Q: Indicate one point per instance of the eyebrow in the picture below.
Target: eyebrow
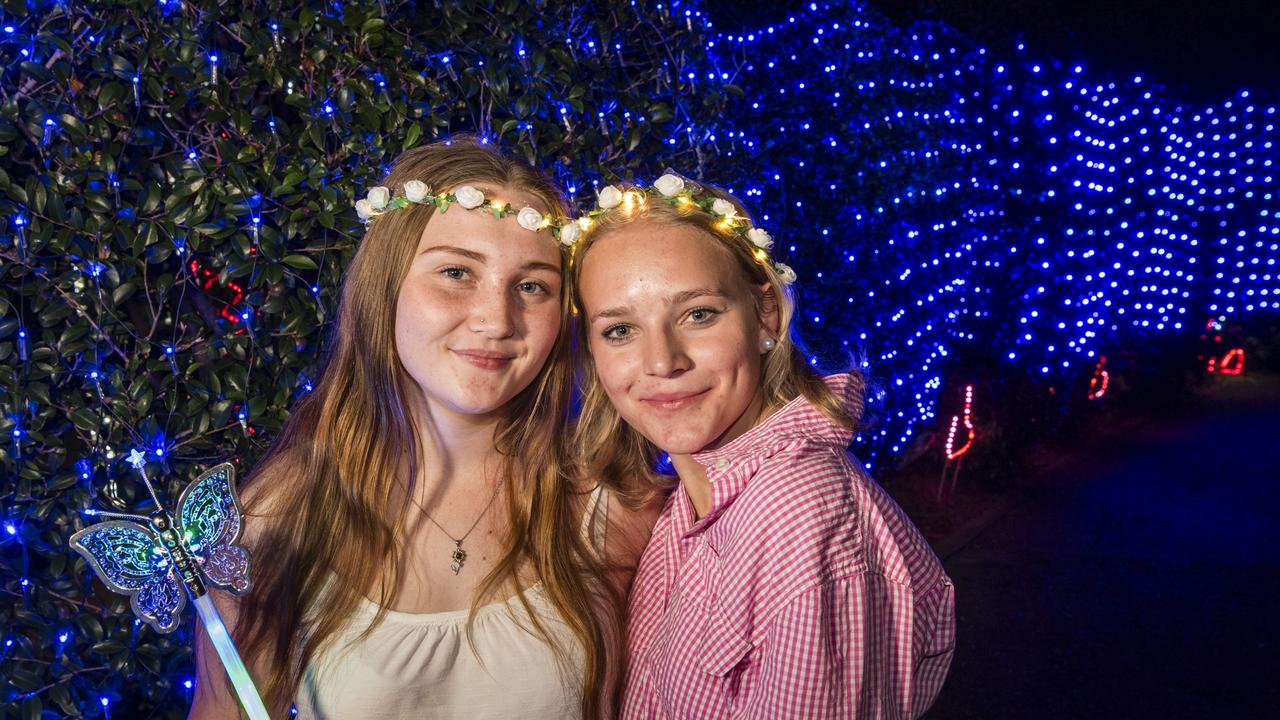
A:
(471, 254)
(677, 299)
(482, 258)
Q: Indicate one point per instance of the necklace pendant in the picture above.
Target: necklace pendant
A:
(459, 557)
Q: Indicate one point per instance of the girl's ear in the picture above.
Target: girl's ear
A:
(770, 317)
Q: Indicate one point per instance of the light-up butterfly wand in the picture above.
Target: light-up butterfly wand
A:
(158, 560)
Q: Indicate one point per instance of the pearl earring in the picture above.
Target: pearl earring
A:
(767, 343)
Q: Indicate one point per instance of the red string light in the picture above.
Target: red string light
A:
(952, 451)
(208, 279)
(1100, 380)
(1231, 364)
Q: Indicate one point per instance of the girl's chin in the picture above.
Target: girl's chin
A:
(681, 443)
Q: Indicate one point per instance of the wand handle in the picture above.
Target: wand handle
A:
(240, 680)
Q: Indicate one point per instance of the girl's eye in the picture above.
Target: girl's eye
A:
(616, 332)
(454, 273)
(702, 315)
(532, 288)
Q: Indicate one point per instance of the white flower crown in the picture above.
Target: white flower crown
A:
(670, 187)
(379, 202)
(673, 189)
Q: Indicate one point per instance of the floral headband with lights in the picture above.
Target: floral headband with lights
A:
(379, 202)
(675, 191)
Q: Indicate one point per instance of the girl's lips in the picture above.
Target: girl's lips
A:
(672, 401)
(485, 359)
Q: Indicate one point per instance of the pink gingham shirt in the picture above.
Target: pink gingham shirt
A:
(805, 592)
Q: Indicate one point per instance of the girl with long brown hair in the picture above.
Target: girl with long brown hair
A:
(780, 580)
(420, 549)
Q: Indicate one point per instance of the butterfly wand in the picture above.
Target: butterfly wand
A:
(160, 560)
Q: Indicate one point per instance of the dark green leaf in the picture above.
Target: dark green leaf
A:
(85, 419)
(97, 203)
(36, 71)
(122, 293)
(412, 135)
(301, 262)
(107, 647)
(32, 707)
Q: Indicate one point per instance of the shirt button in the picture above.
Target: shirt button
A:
(722, 463)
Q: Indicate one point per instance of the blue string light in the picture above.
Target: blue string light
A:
(986, 202)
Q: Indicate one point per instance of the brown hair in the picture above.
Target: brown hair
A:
(336, 464)
(606, 445)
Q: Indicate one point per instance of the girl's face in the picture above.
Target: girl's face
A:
(674, 334)
(479, 310)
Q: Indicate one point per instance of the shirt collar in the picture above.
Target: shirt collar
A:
(731, 466)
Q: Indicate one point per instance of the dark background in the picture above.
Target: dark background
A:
(1200, 50)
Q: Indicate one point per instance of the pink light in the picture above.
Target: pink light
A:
(951, 450)
(1232, 363)
(1100, 380)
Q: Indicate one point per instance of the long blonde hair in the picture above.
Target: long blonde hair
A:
(337, 463)
(605, 444)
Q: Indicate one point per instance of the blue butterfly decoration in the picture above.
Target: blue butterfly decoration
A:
(152, 563)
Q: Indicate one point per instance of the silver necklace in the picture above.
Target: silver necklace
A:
(459, 556)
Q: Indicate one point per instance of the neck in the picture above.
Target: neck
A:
(454, 449)
(693, 477)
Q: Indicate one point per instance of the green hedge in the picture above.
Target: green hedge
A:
(173, 230)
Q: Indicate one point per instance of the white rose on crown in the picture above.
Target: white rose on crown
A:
(379, 196)
(610, 197)
(669, 185)
(570, 233)
(785, 273)
(415, 191)
(364, 209)
(530, 219)
(760, 238)
(469, 197)
(723, 207)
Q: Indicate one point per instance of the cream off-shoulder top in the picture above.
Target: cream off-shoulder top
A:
(421, 666)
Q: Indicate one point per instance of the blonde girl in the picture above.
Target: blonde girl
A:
(780, 581)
